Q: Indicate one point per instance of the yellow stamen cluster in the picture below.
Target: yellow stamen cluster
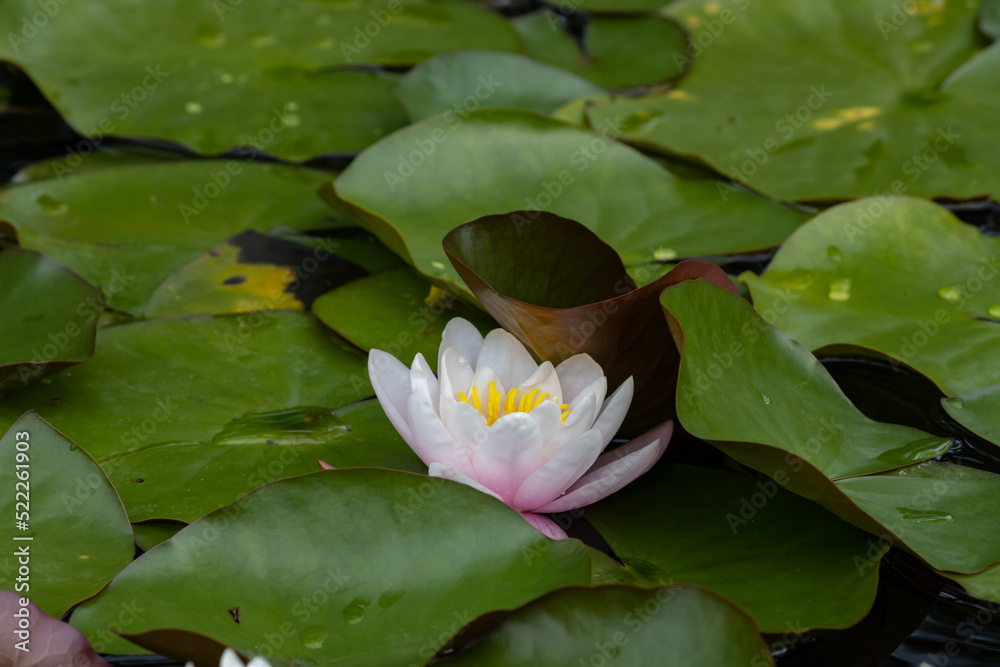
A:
(516, 401)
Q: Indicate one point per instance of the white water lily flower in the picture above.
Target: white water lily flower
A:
(529, 434)
(230, 659)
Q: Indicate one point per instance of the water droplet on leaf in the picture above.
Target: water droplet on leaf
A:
(994, 312)
(313, 636)
(193, 107)
(840, 290)
(51, 205)
(835, 255)
(664, 254)
(924, 516)
(355, 611)
(949, 293)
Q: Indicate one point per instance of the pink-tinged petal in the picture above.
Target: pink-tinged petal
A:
(615, 469)
(455, 374)
(614, 409)
(431, 440)
(510, 451)
(552, 479)
(577, 374)
(545, 526)
(545, 380)
(391, 380)
(505, 355)
(52, 643)
(444, 472)
(580, 420)
(468, 426)
(464, 337)
(423, 381)
(548, 414)
(323, 465)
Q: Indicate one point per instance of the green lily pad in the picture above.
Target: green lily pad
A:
(362, 567)
(898, 275)
(621, 625)
(186, 481)
(76, 535)
(249, 272)
(396, 311)
(984, 585)
(89, 222)
(859, 98)
(766, 549)
(468, 80)
(414, 187)
(258, 75)
(742, 387)
(50, 316)
(190, 379)
(978, 411)
(618, 51)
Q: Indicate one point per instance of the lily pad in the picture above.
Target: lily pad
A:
(776, 555)
(623, 625)
(223, 75)
(249, 272)
(88, 222)
(414, 187)
(397, 311)
(978, 411)
(859, 98)
(150, 533)
(617, 51)
(363, 567)
(186, 481)
(743, 386)
(469, 80)
(50, 316)
(220, 374)
(75, 535)
(898, 275)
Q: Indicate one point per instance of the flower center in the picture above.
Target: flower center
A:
(516, 401)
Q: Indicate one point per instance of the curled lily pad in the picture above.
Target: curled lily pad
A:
(742, 386)
(50, 317)
(363, 567)
(979, 411)
(562, 291)
(860, 98)
(931, 302)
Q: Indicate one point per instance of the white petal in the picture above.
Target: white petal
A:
(614, 470)
(431, 440)
(423, 381)
(614, 409)
(464, 337)
(552, 479)
(576, 374)
(548, 414)
(467, 425)
(455, 374)
(505, 355)
(599, 388)
(258, 662)
(510, 451)
(545, 525)
(444, 472)
(545, 380)
(580, 420)
(391, 380)
(230, 659)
